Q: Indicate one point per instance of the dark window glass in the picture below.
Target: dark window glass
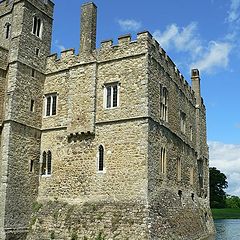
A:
(101, 158)
(48, 106)
(31, 166)
(115, 92)
(108, 97)
(38, 27)
(8, 27)
(32, 105)
(54, 105)
(44, 163)
(34, 25)
(49, 162)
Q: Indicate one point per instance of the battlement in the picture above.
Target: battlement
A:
(3, 58)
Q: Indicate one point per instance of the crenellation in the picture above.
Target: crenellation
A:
(106, 44)
(124, 40)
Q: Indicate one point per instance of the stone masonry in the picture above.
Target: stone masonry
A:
(106, 144)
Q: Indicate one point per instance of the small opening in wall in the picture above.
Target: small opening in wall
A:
(31, 166)
(37, 52)
(180, 193)
(33, 73)
(192, 196)
(32, 106)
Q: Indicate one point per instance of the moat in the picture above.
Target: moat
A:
(227, 229)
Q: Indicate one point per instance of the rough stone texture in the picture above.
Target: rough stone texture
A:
(131, 198)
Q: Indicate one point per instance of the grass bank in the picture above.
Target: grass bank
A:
(226, 213)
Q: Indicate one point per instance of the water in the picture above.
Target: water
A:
(227, 229)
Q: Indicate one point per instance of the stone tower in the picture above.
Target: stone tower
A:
(25, 39)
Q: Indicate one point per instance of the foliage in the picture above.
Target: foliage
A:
(233, 202)
(218, 182)
(226, 213)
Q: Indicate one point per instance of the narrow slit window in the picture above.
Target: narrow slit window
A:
(163, 103)
(179, 169)
(163, 160)
(100, 158)
(31, 166)
(8, 30)
(32, 105)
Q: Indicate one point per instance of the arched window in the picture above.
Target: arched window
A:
(8, 30)
(179, 169)
(100, 158)
(44, 163)
(37, 27)
(163, 103)
(163, 160)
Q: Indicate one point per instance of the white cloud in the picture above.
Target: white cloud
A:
(58, 45)
(233, 14)
(226, 158)
(129, 25)
(183, 39)
(217, 55)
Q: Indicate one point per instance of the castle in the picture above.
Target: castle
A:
(106, 144)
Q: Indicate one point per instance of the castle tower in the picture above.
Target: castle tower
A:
(25, 40)
(88, 27)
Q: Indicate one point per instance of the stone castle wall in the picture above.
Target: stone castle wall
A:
(131, 198)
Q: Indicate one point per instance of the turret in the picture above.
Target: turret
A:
(196, 85)
(88, 27)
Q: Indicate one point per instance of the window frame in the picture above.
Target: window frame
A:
(8, 30)
(163, 158)
(46, 164)
(183, 120)
(163, 103)
(112, 99)
(52, 104)
(37, 27)
(103, 169)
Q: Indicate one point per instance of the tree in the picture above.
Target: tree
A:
(218, 182)
(233, 202)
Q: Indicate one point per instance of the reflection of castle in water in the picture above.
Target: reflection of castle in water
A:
(108, 143)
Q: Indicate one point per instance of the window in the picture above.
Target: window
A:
(100, 158)
(31, 168)
(163, 104)
(37, 27)
(191, 133)
(37, 50)
(111, 96)
(179, 169)
(8, 30)
(33, 73)
(200, 172)
(32, 105)
(183, 122)
(46, 163)
(51, 105)
(163, 160)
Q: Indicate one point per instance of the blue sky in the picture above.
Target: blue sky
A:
(202, 34)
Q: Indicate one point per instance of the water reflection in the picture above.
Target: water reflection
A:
(227, 229)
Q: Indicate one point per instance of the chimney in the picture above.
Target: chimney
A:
(88, 27)
(196, 85)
